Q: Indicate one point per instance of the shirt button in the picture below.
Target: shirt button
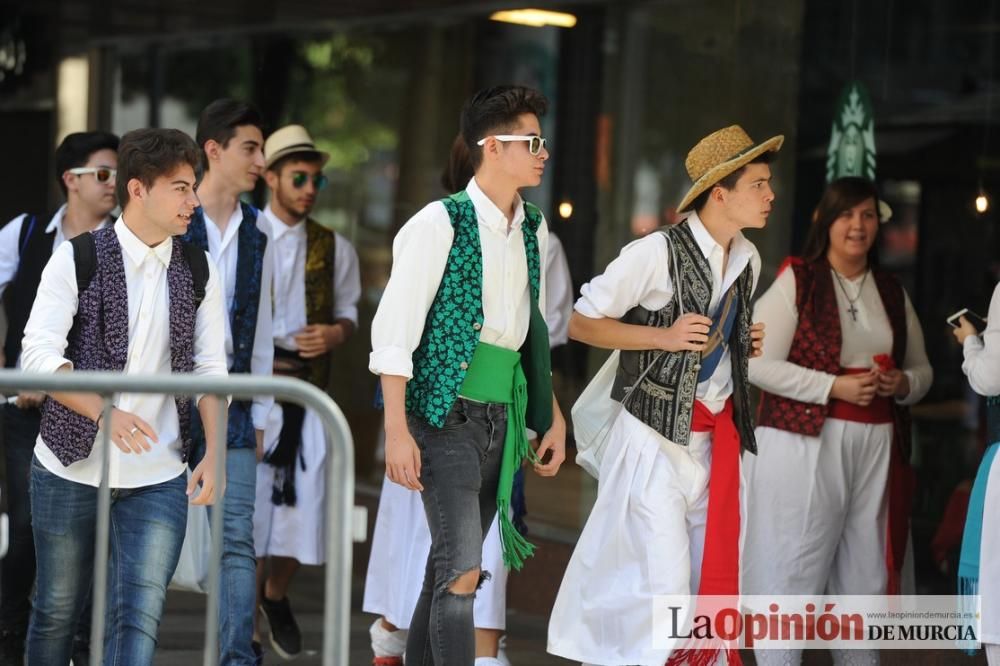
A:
(463, 365)
(809, 411)
(697, 366)
(477, 326)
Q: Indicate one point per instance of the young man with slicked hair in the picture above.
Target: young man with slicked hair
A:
(132, 299)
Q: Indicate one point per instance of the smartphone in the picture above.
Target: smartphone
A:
(976, 320)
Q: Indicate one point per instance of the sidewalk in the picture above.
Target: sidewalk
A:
(182, 631)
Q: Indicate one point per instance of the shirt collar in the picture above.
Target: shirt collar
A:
(279, 228)
(488, 212)
(136, 250)
(57, 220)
(740, 249)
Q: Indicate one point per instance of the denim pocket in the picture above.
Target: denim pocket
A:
(456, 418)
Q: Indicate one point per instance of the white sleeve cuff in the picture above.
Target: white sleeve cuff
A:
(391, 361)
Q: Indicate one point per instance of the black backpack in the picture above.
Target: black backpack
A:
(85, 258)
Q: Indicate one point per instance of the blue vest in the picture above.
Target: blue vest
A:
(251, 243)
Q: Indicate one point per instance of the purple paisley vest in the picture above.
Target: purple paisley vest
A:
(98, 340)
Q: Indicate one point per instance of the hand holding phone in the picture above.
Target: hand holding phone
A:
(977, 321)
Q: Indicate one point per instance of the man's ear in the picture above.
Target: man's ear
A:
(213, 149)
(136, 190)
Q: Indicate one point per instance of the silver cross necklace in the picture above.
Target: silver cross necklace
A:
(851, 301)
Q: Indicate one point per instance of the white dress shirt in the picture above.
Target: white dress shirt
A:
(10, 253)
(642, 275)
(224, 250)
(290, 280)
(870, 335)
(419, 257)
(148, 352)
(558, 293)
(982, 353)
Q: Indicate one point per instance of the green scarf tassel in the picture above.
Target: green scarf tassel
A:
(495, 375)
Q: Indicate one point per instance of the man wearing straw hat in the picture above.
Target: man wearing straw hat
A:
(677, 305)
(316, 290)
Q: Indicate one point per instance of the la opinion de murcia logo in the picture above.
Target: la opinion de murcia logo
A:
(852, 141)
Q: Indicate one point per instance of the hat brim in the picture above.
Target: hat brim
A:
(293, 150)
(720, 171)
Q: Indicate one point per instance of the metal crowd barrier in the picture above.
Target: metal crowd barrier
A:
(339, 487)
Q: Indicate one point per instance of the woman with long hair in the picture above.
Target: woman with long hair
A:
(829, 491)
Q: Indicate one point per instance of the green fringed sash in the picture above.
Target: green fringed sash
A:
(495, 375)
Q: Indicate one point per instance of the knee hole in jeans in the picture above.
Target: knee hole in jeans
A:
(464, 584)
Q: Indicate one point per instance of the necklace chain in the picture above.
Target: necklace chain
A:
(853, 311)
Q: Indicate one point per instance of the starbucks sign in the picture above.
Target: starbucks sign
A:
(852, 141)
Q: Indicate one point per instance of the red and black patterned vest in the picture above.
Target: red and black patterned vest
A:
(817, 341)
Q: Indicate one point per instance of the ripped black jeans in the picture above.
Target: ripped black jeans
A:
(460, 469)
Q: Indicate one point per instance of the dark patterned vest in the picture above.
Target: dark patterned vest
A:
(251, 243)
(664, 400)
(455, 319)
(99, 338)
(817, 341)
(34, 249)
(321, 248)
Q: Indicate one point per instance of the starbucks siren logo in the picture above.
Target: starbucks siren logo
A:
(852, 142)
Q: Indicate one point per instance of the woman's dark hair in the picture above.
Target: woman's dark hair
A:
(495, 111)
(458, 171)
(149, 153)
(840, 195)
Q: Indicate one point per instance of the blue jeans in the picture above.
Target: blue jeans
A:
(147, 529)
(460, 468)
(238, 599)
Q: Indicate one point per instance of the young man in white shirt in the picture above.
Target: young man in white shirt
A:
(85, 170)
(677, 305)
(317, 284)
(232, 144)
(139, 313)
(466, 293)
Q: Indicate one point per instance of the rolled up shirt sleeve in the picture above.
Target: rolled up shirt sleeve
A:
(640, 272)
(419, 256)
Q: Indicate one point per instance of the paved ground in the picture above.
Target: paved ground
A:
(182, 633)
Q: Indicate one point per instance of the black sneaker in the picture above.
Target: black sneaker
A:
(286, 639)
(11, 647)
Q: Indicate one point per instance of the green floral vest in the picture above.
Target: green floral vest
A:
(453, 324)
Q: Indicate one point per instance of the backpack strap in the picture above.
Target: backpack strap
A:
(26, 229)
(85, 258)
(198, 263)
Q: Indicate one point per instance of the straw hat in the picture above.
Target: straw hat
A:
(288, 140)
(718, 155)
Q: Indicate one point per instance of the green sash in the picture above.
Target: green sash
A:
(495, 375)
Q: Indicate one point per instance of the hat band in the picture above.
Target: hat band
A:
(299, 146)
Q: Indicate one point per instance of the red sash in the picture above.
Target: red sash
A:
(720, 566)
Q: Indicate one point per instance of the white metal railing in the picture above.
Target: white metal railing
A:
(339, 486)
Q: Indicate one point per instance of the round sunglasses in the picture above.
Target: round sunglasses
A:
(300, 178)
(102, 174)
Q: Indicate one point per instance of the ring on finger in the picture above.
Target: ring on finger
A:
(133, 430)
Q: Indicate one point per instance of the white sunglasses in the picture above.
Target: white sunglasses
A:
(535, 143)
